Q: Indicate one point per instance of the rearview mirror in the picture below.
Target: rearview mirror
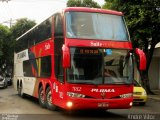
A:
(142, 58)
(66, 57)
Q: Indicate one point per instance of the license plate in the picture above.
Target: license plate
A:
(103, 104)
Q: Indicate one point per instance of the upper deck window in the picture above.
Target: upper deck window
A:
(96, 26)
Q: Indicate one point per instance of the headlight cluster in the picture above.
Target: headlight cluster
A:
(128, 95)
(76, 95)
(144, 93)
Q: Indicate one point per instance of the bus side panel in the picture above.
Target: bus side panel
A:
(40, 51)
(18, 67)
(44, 48)
(58, 93)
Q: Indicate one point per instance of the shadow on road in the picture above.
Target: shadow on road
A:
(78, 114)
(92, 115)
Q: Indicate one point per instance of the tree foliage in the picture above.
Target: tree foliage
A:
(21, 27)
(4, 44)
(7, 41)
(143, 20)
(83, 3)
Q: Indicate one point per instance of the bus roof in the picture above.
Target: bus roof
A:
(96, 10)
(78, 9)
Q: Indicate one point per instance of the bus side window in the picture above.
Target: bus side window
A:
(58, 26)
(58, 42)
(45, 67)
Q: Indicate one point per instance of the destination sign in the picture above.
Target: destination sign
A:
(88, 51)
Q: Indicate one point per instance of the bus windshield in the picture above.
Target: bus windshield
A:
(96, 26)
(100, 66)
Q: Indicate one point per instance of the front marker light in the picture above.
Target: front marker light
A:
(128, 95)
(75, 95)
(69, 104)
(131, 103)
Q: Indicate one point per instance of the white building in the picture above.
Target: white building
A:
(154, 70)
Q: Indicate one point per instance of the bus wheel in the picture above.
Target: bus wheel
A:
(41, 97)
(49, 103)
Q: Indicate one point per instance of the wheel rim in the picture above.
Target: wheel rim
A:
(42, 96)
(49, 98)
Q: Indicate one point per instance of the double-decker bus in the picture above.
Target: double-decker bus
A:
(78, 58)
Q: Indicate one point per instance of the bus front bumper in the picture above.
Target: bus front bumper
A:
(78, 104)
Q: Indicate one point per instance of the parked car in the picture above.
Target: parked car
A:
(139, 94)
(9, 79)
(3, 82)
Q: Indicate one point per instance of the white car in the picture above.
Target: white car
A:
(3, 82)
(8, 79)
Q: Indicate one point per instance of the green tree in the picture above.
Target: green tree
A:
(21, 26)
(83, 3)
(7, 41)
(14, 32)
(143, 20)
(4, 46)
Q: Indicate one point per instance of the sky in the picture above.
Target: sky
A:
(36, 10)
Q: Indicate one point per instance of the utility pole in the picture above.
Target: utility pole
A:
(10, 22)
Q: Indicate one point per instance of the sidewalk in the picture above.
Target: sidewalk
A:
(156, 96)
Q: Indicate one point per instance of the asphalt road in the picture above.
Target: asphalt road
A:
(13, 107)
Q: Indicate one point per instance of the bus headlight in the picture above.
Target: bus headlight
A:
(76, 95)
(128, 95)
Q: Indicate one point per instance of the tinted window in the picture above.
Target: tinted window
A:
(38, 34)
(44, 31)
(45, 66)
(96, 26)
(58, 25)
(100, 66)
(27, 69)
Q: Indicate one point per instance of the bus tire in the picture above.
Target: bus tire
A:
(49, 103)
(41, 97)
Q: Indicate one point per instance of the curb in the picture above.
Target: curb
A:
(154, 98)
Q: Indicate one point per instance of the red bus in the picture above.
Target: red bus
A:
(78, 58)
